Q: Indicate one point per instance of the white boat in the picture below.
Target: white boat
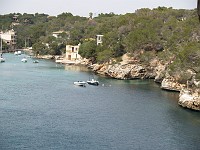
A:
(24, 60)
(36, 61)
(80, 83)
(1, 54)
(18, 52)
(2, 59)
(93, 82)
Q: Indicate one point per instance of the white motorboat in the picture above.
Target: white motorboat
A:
(18, 52)
(93, 82)
(2, 59)
(36, 61)
(24, 60)
(80, 83)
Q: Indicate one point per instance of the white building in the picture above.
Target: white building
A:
(9, 37)
(58, 33)
(72, 52)
(99, 39)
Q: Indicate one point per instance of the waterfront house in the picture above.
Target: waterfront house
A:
(9, 37)
(72, 52)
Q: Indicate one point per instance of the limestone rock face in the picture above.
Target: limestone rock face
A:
(97, 67)
(119, 71)
(160, 72)
(127, 70)
(138, 71)
(170, 83)
(189, 99)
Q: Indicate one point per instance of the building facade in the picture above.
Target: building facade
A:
(72, 52)
(9, 37)
(99, 39)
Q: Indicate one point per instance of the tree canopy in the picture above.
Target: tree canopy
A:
(164, 31)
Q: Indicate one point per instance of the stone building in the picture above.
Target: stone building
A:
(72, 52)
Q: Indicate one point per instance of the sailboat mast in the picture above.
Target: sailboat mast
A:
(1, 50)
(1, 45)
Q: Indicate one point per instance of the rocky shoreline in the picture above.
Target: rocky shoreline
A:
(133, 69)
(189, 99)
(157, 70)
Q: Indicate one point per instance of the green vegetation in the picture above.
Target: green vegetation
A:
(165, 33)
(88, 49)
(187, 58)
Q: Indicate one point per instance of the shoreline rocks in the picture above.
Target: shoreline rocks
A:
(169, 83)
(189, 99)
(156, 70)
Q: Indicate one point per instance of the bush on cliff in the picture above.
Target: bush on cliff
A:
(188, 58)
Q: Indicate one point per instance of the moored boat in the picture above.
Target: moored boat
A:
(18, 52)
(2, 59)
(80, 83)
(93, 82)
(24, 60)
(36, 61)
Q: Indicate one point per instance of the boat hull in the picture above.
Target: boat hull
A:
(17, 53)
(80, 83)
(35, 61)
(24, 60)
(93, 82)
(2, 60)
(96, 83)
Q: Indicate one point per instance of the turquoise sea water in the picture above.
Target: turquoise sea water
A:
(41, 109)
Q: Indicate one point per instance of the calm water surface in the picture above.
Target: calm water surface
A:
(41, 109)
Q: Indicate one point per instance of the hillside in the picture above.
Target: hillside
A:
(162, 41)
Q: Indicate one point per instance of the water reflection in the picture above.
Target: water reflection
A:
(76, 68)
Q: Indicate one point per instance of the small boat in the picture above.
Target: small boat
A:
(2, 59)
(93, 82)
(35, 61)
(80, 83)
(17, 52)
(24, 60)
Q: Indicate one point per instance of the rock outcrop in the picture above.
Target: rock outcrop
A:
(132, 70)
(189, 99)
(169, 83)
(126, 71)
